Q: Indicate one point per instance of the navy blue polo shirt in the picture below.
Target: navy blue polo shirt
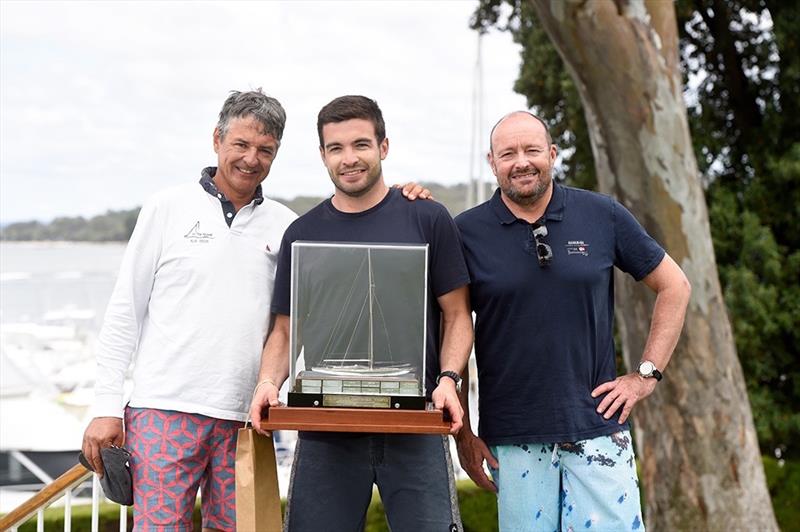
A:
(395, 220)
(544, 334)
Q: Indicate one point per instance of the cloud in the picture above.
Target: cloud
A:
(103, 103)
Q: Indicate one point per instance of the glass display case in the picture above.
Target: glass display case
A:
(357, 337)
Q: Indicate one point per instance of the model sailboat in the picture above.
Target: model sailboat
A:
(358, 325)
(348, 363)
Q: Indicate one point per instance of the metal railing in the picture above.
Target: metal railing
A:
(63, 486)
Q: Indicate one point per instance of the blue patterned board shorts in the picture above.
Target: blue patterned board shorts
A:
(586, 485)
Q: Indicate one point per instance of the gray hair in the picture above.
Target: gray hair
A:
(267, 110)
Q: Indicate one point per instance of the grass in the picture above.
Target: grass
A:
(478, 507)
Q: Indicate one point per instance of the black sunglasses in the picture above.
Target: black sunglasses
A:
(543, 250)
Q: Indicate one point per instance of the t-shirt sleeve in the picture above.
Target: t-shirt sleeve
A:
(281, 296)
(635, 252)
(448, 267)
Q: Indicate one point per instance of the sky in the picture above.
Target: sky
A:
(104, 103)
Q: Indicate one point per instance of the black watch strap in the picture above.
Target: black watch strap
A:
(657, 375)
(453, 375)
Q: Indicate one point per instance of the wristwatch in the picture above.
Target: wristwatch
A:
(647, 370)
(453, 375)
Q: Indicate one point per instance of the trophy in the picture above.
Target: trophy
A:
(357, 325)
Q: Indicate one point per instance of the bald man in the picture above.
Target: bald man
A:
(553, 413)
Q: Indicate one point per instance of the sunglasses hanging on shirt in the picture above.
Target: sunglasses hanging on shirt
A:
(543, 250)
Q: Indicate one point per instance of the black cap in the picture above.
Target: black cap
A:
(116, 482)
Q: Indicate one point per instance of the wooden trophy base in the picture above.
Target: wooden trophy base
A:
(377, 420)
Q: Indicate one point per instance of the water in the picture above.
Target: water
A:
(53, 297)
(57, 282)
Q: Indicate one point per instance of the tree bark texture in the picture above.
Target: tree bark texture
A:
(696, 442)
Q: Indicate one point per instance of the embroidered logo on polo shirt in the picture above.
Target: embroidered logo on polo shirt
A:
(195, 235)
(577, 247)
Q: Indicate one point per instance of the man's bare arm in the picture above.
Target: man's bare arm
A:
(673, 291)
(473, 451)
(456, 345)
(274, 370)
(669, 311)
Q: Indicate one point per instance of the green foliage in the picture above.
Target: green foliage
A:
(81, 519)
(109, 227)
(783, 481)
(478, 510)
(762, 293)
(548, 88)
(741, 64)
(478, 507)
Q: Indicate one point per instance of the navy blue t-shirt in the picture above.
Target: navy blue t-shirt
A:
(395, 220)
(544, 335)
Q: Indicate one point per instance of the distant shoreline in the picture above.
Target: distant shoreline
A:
(117, 226)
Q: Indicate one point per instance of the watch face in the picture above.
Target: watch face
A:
(646, 368)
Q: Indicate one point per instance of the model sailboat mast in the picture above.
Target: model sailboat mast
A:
(367, 365)
(370, 352)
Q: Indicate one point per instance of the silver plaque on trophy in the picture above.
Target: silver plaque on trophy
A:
(358, 329)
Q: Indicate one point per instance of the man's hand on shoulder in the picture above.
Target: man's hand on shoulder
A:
(445, 397)
(623, 392)
(472, 452)
(414, 191)
(102, 432)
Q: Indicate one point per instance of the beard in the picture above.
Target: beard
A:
(529, 195)
(358, 189)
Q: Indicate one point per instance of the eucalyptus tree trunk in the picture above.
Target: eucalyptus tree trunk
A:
(696, 442)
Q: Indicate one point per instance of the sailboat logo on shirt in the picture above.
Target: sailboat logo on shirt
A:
(195, 235)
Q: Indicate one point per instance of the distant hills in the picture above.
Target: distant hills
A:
(116, 226)
(109, 227)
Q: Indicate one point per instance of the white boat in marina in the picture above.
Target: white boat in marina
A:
(41, 431)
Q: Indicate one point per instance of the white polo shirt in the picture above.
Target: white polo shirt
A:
(191, 305)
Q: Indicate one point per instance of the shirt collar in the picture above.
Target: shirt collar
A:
(554, 210)
(207, 182)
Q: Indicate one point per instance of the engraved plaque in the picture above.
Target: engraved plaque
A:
(356, 401)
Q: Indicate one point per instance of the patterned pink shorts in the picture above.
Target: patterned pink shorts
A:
(172, 455)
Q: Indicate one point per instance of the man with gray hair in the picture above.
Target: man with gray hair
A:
(191, 308)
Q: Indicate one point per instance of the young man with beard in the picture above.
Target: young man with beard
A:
(333, 473)
(553, 414)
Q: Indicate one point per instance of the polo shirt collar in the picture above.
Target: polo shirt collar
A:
(554, 210)
(207, 182)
